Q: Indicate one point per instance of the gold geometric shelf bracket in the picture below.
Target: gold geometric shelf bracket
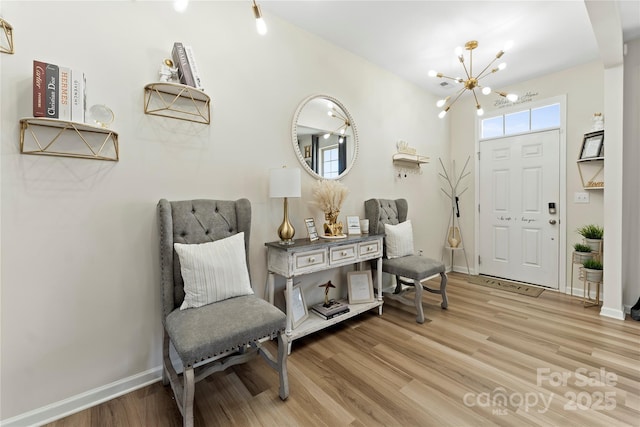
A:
(177, 101)
(6, 37)
(592, 173)
(51, 137)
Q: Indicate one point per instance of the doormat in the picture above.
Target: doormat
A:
(507, 285)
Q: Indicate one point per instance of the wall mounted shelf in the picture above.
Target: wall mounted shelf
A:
(414, 159)
(177, 101)
(52, 137)
(6, 37)
(406, 163)
(593, 167)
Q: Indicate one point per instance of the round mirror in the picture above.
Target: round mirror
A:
(324, 137)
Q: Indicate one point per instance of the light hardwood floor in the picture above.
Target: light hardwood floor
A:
(492, 358)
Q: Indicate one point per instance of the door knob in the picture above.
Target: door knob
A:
(552, 221)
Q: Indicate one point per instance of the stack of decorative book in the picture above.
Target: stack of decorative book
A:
(332, 309)
(185, 61)
(58, 92)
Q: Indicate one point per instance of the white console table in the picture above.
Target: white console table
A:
(304, 257)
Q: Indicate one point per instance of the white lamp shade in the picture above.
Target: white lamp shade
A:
(284, 182)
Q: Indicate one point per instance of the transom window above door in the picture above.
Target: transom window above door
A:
(529, 120)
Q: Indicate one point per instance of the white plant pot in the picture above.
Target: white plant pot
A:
(594, 244)
(581, 257)
(593, 275)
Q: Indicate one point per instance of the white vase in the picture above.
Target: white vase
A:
(454, 237)
(593, 275)
(581, 257)
(594, 244)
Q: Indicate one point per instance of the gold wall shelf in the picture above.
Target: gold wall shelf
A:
(52, 137)
(595, 168)
(177, 101)
(6, 37)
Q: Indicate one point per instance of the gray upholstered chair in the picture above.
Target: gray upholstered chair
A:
(223, 333)
(410, 270)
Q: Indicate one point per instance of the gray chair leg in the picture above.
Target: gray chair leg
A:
(165, 358)
(283, 351)
(418, 300)
(443, 290)
(187, 397)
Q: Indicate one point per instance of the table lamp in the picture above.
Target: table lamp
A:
(285, 183)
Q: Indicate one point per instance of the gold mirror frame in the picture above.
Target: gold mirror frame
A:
(350, 131)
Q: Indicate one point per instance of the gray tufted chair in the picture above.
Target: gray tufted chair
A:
(224, 333)
(409, 270)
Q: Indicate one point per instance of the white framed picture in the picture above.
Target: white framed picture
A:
(353, 224)
(311, 229)
(360, 286)
(298, 306)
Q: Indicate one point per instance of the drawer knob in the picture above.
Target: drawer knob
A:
(369, 248)
(344, 253)
(311, 259)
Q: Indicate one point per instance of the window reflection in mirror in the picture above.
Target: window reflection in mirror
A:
(324, 137)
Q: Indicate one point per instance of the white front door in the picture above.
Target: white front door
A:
(519, 232)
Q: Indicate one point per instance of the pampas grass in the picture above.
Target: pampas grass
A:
(328, 195)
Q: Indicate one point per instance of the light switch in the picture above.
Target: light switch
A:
(580, 197)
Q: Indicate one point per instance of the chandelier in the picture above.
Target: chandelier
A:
(471, 83)
(343, 127)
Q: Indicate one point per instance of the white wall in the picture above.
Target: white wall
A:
(581, 104)
(80, 286)
(631, 177)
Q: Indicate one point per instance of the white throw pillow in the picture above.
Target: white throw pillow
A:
(213, 271)
(398, 239)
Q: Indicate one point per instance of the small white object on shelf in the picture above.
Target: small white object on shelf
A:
(597, 123)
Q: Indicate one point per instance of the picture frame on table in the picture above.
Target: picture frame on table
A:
(353, 224)
(311, 229)
(360, 286)
(592, 145)
(299, 311)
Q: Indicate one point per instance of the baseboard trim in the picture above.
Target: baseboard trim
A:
(462, 269)
(66, 407)
(612, 312)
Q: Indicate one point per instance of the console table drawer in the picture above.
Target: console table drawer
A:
(308, 260)
(341, 254)
(370, 249)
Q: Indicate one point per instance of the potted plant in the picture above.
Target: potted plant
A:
(592, 235)
(593, 270)
(582, 253)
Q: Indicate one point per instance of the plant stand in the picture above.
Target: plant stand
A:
(587, 301)
(578, 258)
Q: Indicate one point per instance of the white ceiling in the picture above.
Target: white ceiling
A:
(409, 38)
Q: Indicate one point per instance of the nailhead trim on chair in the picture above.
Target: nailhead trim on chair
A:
(271, 335)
